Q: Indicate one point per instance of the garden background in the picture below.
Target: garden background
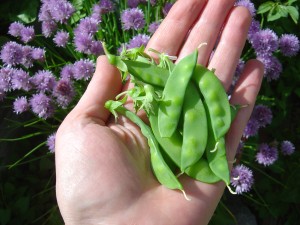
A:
(27, 177)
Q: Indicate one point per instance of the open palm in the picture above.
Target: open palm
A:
(103, 166)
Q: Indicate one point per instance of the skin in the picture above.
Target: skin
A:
(103, 173)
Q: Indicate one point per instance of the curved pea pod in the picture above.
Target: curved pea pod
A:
(161, 170)
(171, 145)
(202, 172)
(173, 94)
(217, 160)
(216, 100)
(194, 128)
(147, 72)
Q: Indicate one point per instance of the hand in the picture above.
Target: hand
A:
(103, 173)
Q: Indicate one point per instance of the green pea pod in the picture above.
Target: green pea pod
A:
(216, 100)
(173, 94)
(201, 171)
(147, 72)
(172, 147)
(161, 170)
(217, 160)
(194, 128)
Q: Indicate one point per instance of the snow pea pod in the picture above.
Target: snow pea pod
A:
(194, 128)
(161, 170)
(147, 72)
(173, 94)
(216, 100)
(172, 147)
(217, 159)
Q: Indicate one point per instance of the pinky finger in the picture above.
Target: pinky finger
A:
(245, 93)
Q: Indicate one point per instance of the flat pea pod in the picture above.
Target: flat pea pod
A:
(172, 147)
(201, 171)
(161, 170)
(217, 160)
(147, 72)
(216, 100)
(173, 94)
(194, 128)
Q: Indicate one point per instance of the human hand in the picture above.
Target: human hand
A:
(103, 173)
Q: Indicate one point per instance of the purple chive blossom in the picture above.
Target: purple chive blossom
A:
(273, 67)
(61, 10)
(38, 54)
(5, 78)
(97, 48)
(87, 26)
(264, 42)
(63, 92)
(83, 43)
(289, 45)
(21, 80)
(51, 142)
(27, 34)
(251, 128)
(267, 154)
(21, 105)
(43, 80)
(132, 19)
(61, 38)
(241, 179)
(262, 114)
(12, 53)
(138, 40)
(167, 8)
(27, 60)
(248, 4)
(42, 105)
(48, 28)
(83, 69)
(96, 13)
(133, 3)
(253, 29)
(106, 6)
(67, 72)
(152, 2)
(44, 13)
(287, 148)
(15, 29)
(153, 27)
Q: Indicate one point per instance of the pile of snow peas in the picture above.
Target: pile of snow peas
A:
(188, 110)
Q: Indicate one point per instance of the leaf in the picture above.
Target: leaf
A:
(265, 7)
(291, 2)
(274, 14)
(293, 12)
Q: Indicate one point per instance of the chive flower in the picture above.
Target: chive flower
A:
(287, 148)
(51, 142)
(38, 54)
(48, 28)
(42, 105)
(5, 79)
(267, 154)
(15, 28)
(21, 105)
(83, 69)
(264, 42)
(289, 45)
(67, 72)
(43, 80)
(27, 34)
(138, 41)
(21, 80)
(167, 7)
(263, 114)
(61, 38)
(241, 178)
(272, 67)
(153, 27)
(132, 19)
(12, 53)
(63, 92)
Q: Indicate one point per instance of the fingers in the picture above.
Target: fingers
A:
(172, 32)
(105, 85)
(245, 93)
(207, 29)
(230, 45)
